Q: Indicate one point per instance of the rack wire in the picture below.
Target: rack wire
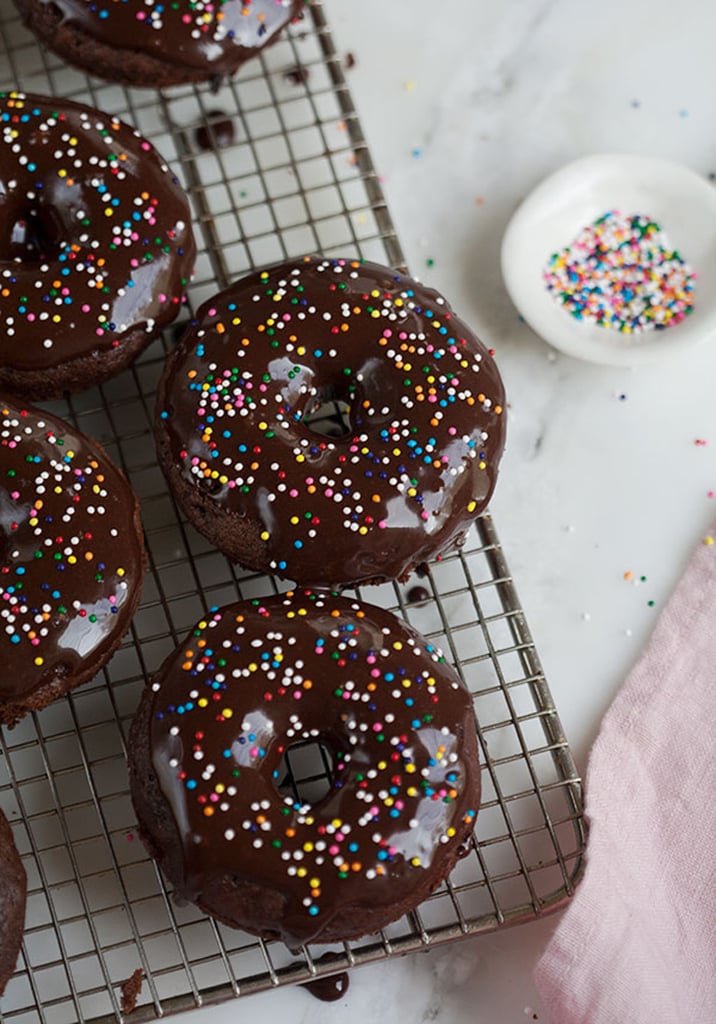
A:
(297, 178)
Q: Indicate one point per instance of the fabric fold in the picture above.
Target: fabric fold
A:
(637, 943)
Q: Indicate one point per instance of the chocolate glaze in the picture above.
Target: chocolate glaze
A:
(95, 234)
(217, 132)
(214, 37)
(71, 556)
(426, 432)
(251, 680)
(329, 989)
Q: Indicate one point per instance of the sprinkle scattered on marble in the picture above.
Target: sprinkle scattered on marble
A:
(621, 272)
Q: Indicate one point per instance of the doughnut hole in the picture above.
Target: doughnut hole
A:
(30, 233)
(328, 414)
(306, 771)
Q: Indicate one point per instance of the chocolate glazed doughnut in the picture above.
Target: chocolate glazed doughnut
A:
(71, 558)
(13, 892)
(210, 742)
(394, 483)
(96, 246)
(142, 43)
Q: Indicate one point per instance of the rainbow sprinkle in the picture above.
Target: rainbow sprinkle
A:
(621, 272)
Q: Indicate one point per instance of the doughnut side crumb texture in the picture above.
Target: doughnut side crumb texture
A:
(142, 43)
(207, 746)
(97, 245)
(13, 887)
(71, 558)
(403, 479)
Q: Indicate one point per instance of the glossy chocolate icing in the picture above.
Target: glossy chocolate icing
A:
(217, 36)
(71, 558)
(419, 460)
(95, 234)
(328, 989)
(256, 677)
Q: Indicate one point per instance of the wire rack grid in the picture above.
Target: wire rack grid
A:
(297, 178)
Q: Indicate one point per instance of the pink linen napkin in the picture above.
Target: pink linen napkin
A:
(637, 944)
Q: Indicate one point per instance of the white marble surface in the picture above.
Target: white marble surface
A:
(467, 104)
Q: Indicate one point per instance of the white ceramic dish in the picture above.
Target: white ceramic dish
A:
(551, 217)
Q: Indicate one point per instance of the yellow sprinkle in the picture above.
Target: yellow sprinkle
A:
(708, 540)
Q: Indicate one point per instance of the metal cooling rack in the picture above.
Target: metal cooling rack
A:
(298, 178)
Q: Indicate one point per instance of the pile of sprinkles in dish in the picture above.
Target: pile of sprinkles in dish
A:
(621, 272)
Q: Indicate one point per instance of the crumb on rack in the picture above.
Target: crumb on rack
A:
(130, 991)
